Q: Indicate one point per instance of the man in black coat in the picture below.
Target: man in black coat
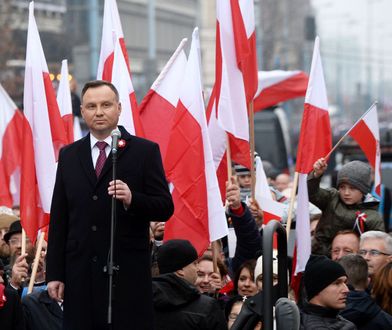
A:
(79, 234)
(178, 304)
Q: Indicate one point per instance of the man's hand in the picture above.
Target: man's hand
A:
(56, 290)
(319, 167)
(233, 194)
(123, 193)
(19, 271)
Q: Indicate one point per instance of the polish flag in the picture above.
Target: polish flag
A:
(199, 214)
(113, 66)
(111, 32)
(157, 109)
(315, 142)
(218, 139)
(43, 135)
(272, 209)
(367, 134)
(11, 121)
(236, 73)
(129, 117)
(65, 102)
(278, 86)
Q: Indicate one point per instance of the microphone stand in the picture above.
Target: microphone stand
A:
(110, 266)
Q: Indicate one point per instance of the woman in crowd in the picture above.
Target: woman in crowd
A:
(382, 288)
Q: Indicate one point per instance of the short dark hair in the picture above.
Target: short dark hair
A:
(99, 83)
(356, 269)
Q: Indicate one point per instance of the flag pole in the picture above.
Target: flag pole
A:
(291, 206)
(214, 246)
(252, 149)
(348, 132)
(228, 157)
(23, 250)
(36, 262)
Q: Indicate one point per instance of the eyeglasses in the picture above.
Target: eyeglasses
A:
(373, 253)
(15, 241)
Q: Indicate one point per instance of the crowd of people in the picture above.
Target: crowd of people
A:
(347, 283)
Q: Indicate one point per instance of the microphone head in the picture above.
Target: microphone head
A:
(116, 132)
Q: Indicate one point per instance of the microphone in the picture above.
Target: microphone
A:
(116, 135)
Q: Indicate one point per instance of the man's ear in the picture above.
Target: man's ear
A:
(179, 273)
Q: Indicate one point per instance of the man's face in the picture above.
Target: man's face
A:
(334, 295)
(100, 110)
(374, 261)
(344, 244)
(204, 270)
(158, 229)
(349, 194)
(190, 272)
(15, 244)
(282, 181)
(244, 181)
(4, 248)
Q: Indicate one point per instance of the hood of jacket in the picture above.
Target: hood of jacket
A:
(360, 307)
(171, 292)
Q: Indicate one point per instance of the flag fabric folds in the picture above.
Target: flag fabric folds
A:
(157, 108)
(43, 136)
(64, 101)
(199, 214)
(367, 134)
(235, 73)
(315, 142)
(114, 67)
(11, 120)
(278, 86)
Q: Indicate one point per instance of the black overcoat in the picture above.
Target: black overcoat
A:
(79, 234)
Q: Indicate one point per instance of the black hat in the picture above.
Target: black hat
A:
(319, 273)
(15, 228)
(174, 255)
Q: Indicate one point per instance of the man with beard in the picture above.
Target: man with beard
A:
(6, 218)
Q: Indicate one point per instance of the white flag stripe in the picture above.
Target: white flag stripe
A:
(316, 93)
(248, 14)
(270, 78)
(303, 224)
(123, 83)
(262, 189)
(7, 112)
(64, 93)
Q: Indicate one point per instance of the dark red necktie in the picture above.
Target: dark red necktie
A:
(101, 158)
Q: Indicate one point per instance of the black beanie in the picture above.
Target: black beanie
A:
(356, 173)
(174, 255)
(319, 273)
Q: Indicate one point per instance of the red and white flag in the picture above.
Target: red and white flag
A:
(113, 66)
(236, 73)
(65, 102)
(367, 134)
(199, 214)
(111, 32)
(43, 135)
(272, 209)
(11, 120)
(158, 107)
(278, 86)
(315, 142)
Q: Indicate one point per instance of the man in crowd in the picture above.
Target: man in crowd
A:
(6, 218)
(361, 309)
(79, 235)
(325, 284)
(376, 248)
(345, 242)
(177, 302)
